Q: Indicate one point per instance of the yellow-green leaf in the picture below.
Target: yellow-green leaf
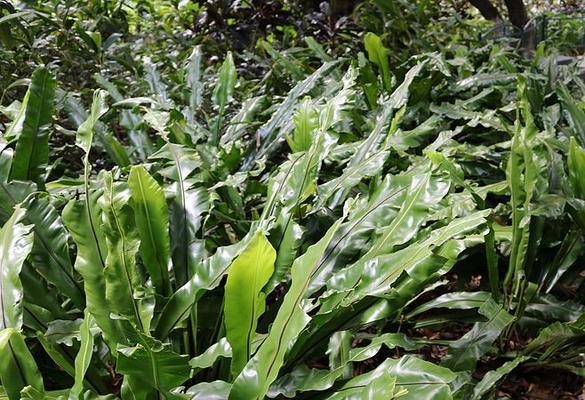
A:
(244, 299)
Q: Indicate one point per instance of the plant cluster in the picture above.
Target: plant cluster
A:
(349, 225)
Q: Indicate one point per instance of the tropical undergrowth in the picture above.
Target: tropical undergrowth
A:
(239, 242)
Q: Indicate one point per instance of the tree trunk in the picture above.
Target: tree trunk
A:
(487, 9)
(517, 13)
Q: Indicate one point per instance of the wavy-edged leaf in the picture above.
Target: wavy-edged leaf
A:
(186, 212)
(83, 357)
(222, 93)
(306, 120)
(86, 122)
(18, 368)
(50, 253)
(287, 236)
(421, 379)
(466, 352)
(452, 301)
(152, 220)
(376, 213)
(16, 242)
(490, 379)
(152, 366)
(124, 290)
(207, 276)
(83, 220)
(129, 120)
(526, 175)
(271, 131)
(32, 146)
(303, 379)
(193, 81)
(378, 54)
(15, 128)
(216, 390)
(221, 349)
(574, 115)
(375, 276)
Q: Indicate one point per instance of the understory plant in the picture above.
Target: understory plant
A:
(232, 240)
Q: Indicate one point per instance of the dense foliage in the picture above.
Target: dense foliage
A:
(333, 208)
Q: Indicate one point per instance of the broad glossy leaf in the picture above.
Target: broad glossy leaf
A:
(303, 379)
(378, 54)
(15, 128)
(207, 276)
(193, 81)
(306, 120)
(103, 137)
(206, 359)
(271, 131)
(32, 147)
(382, 387)
(466, 352)
(18, 368)
(152, 220)
(485, 80)
(16, 242)
(129, 120)
(50, 253)
(242, 121)
(83, 219)
(187, 208)
(244, 299)
(490, 379)
(216, 390)
(125, 294)
(83, 357)
(152, 365)
(400, 95)
(452, 301)
(85, 132)
(222, 93)
(376, 276)
(526, 178)
(254, 381)
(379, 210)
(287, 236)
(226, 81)
(421, 379)
(574, 114)
(156, 85)
(575, 168)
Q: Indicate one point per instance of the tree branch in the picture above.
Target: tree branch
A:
(487, 9)
(517, 13)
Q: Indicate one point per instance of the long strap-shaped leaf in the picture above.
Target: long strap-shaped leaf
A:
(270, 131)
(375, 276)
(262, 369)
(18, 368)
(244, 299)
(50, 253)
(83, 219)
(152, 221)
(207, 276)
(186, 211)
(123, 282)
(32, 147)
(524, 181)
(16, 242)
(151, 369)
(83, 356)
